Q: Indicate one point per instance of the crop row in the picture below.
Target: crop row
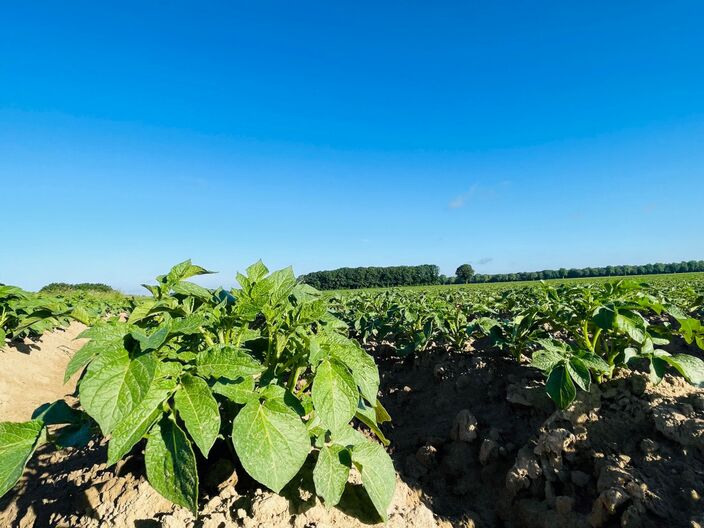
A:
(575, 332)
(263, 372)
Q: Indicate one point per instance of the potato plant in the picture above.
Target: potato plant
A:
(25, 314)
(266, 369)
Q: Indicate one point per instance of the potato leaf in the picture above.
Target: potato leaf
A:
(239, 391)
(271, 441)
(378, 474)
(171, 464)
(546, 360)
(104, 337)
(331, 473)
(199, 411)
(334, 394)
(560, 387)
(227, 362)
(114, 384)
(579, 373)
(17, 444)
(691, 367)
(132, 427)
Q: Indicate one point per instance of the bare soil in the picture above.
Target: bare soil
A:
(33, 372)
(475, 441)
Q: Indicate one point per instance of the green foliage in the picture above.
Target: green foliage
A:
(464, 273)
(17, 444)
(372, 277)
(27, 314)
(578, 333)
(62, 287)
(267, 362)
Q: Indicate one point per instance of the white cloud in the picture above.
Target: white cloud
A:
(461, 200)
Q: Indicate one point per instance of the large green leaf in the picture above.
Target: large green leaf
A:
(605, 317)
(81, 314)
(189, 288)
(184, 270)
(271, 442)
(141, 311)
(191, 324)
(227, 362)
(335, 394)
(17, 443)
(331, 473)
(104, 337)
(199, 411)
(114, 385)
(560, 387)
(691, 367)
(364, 370)
(378, 474)
(632, 324)
(154, 340)
(257, 271)
(546, 360)
(171, 464)
(579, 373)
(595, 363)
(239, 391)
(658, 367)
(132, 427)
(281, 284)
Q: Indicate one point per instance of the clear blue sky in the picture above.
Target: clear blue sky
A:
(512, 135)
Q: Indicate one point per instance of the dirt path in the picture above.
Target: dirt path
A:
(33, 373)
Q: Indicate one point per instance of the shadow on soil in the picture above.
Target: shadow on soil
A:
(424, 396)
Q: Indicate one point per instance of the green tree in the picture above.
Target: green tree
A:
(464, 273)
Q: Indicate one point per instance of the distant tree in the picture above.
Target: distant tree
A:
(373, 277)
(464, 273)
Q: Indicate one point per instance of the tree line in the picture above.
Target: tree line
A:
(373, 277)
(61, 287)
(607, 271)
(429, 274)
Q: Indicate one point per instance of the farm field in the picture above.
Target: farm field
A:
(566, 403)
(390, 265)
(653, 279)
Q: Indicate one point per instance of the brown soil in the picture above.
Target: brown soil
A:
(475, 442)
(33, 372)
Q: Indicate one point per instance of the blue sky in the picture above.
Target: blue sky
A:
(516, 136)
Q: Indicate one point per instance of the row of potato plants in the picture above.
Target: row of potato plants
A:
(575, 332)
(28, 314)
(264, 369)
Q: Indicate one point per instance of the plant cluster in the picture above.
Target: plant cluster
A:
(265, 371)
(27, 314)
(576, 333)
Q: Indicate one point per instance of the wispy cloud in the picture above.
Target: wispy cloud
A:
(477, 191)
(460, 200)
(457, 202)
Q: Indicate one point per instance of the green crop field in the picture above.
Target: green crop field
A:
(282, 374)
